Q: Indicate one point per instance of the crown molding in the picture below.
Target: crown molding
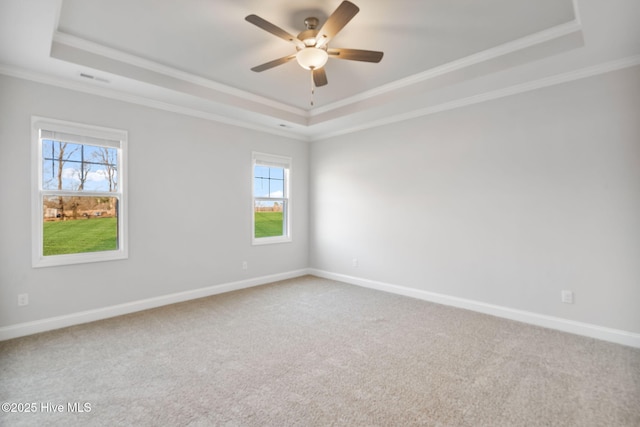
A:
(136, 61)
(459, 103)
(492, 95)
(480, 57)
(477, 58)
(138, 100)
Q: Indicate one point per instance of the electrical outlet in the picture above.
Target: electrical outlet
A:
(23, 299)
(354, 262)
(567, 297)
(245, 265)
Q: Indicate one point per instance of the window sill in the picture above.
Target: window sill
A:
(83, 258)
(270, 240)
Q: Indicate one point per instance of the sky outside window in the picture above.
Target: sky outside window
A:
(268, 182)
(94, 161)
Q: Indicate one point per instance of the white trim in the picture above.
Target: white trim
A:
(109, 93)
(557, 79)
(586, 72)
(567, 77)
(576, 12)
(468, 61)
(273, 160)
(93, 131)
(118, 139)
(270, 240)
(107, 52)
(477, 58)
(571, 326)
(49, 324)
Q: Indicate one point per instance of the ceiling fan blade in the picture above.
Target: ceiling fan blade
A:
(336, 22)
(356, 54)
(319, 77)
(274, 63)
(273, 29)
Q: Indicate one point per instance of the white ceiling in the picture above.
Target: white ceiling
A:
(194, 56)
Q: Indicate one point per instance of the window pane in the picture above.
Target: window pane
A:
(76, 167)
(261, 172)
(71, 151)
(79, 224)
(269, 218)
(276, 173)
(50, 175)
(276, 189)
(268, 182)
(271, 221)
(260, 187)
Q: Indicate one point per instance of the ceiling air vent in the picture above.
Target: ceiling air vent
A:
(98, 79)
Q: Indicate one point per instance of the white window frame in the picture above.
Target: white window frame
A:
(286, 163)
(81, 134)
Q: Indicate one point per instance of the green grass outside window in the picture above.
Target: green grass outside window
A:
(268, 224)
(80, 236)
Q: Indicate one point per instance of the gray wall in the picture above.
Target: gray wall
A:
(506, 202)
(189, 206)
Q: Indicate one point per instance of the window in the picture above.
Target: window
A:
(271, 219)
(79, 204)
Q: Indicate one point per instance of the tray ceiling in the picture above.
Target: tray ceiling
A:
(197, 54)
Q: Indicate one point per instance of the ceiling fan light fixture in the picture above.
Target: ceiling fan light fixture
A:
(312, 44)
(321, 41)
(312, 58)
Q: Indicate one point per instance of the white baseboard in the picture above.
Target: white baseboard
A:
(593, 331)
(37, 326)
(579, 328)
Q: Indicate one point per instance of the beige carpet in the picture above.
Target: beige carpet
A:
(313, 352)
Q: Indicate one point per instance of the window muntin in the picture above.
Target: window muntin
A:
(78, 167)
(79, 206)
(271, 216)
(268, 181)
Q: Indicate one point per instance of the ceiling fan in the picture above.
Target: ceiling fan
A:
(312, 45)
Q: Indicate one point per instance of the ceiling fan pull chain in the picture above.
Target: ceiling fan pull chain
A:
(313, 87)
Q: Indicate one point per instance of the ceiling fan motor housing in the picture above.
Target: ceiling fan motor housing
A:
(311, 23)
(308, 36)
